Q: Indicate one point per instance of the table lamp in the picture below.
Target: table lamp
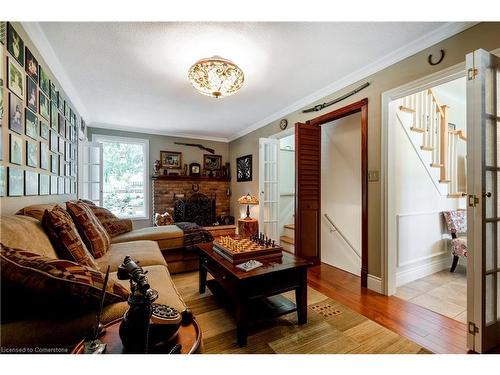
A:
(248, 200)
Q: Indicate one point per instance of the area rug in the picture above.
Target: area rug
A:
(332, 328)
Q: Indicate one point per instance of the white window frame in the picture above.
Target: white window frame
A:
(146, 174)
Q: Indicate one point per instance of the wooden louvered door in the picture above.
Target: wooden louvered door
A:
(307, 191)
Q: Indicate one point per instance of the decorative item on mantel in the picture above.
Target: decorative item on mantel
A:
(247, 226)
(156, 167)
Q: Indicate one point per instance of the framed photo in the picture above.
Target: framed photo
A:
(244, 168)
(62, 128)
(44, 184)
(61, 145)
(1, 102)
(16, 149)
(60, 103)
(194, 169)
(60, 185)
(15, 44)
(44, 130)
(31, 95)
(16, 114)
(43, 103)
(44, 80)
(44, 155)
(61, 165)
(66, 109)
(3, 32)
(82, 130)
(53, 185)
(31, 65)
(52, 92)
(1, 143)
(54, 115)
(30, 183)
(31, 127)
(212, 162)
(57, 125)
(3, 181)
(54, 142)
(16, 182)
(171, 159)
(15, 78)
(32, 154)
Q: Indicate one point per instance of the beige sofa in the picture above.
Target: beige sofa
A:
(33, 323)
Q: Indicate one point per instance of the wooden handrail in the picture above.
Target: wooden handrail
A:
(438, 106)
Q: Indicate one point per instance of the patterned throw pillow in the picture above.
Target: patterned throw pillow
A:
(92, 232)
(59, 278)
(163, 219)
(64, 236)
(112, 223)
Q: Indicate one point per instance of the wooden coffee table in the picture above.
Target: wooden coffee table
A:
(255, 294)
(188, 336)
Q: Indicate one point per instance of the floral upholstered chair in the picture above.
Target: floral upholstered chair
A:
(456, 222)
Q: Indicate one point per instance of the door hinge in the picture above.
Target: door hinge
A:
(473, 200)
(473, 328)
(471, 74)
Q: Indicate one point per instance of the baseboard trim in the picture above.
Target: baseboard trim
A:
(375, 283)
(414, 273)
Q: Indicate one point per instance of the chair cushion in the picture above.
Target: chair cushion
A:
(167, 237)
(456, 221)
(146, 252)
(91, 230)
(62, 279)
(112, 223)
(459, 246)
(65, 238)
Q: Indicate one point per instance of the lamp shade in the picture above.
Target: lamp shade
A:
(248, 199)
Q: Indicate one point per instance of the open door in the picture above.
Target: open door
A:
(483, 213)
(307, 191)
(90, 181)
(269, 187)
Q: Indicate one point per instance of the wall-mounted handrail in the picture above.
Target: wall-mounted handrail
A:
(336, 229)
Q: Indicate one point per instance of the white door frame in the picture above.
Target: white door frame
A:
(388, 226)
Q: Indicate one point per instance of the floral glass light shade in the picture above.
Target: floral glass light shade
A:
(216, 77)
(248, 200)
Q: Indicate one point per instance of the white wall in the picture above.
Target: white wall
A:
(422, 245)
(287, 182)
(341, 192)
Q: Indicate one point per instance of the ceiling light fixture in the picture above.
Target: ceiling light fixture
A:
(216, 77)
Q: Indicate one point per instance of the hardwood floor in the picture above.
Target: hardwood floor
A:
(431, 330)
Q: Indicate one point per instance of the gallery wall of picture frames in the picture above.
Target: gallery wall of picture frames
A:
(39, 129)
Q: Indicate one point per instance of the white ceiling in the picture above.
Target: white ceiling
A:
(133, 76)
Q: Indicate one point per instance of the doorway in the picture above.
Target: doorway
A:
(308, 192)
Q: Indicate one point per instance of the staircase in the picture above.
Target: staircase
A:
(287, 241)
(435, 140)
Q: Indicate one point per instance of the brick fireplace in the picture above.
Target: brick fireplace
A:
(167, 189)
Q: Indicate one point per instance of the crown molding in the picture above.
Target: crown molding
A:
(156, 132)
(426, 41)
(42, 44)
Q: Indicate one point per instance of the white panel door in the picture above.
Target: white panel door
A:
(90, 181)
(269, 187)
(483, 214)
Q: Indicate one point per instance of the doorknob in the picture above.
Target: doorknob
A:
(487, 194)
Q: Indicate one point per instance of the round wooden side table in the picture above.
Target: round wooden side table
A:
(188, 336)
(247, 227)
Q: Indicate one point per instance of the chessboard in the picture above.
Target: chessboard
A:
(242, 250)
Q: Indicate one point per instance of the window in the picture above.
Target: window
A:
(125, 175)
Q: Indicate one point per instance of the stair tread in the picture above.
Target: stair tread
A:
(406, 109)
(290, 226)
(417, 129)
(287, 239)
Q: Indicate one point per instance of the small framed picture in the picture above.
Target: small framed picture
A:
(54, 115)
(57, 125)
(16, 114)
(43, 103)
(61, 165)
(31, 127)
(44, 184)
(66, 109)
(32, 154)
(16, 182)
(53, 185)
(31, 65)
(171, 159)
(15, 78)
(61, 145)
(31, 95)
(44, 80)
(3, 181)
(212, 162)
(44, 155)
(54, 164)
(54, 142)
(60, 185)
(15, 44)
(244, 168)
(44, 130)
(194, 169)
(60, 103)
(30, 183)
(16, 149)
(52, 92)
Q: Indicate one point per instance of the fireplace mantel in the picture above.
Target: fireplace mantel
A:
(190, 178)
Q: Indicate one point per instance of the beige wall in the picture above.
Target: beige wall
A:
(484, 35)
(9, 205)
(159, 143)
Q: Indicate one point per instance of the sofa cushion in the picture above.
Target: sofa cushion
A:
(24, 232)
(36, 210)
(112, 223)
(167, 237)
(65, 238)
(91, 231)
(67, 281)
(146, 252)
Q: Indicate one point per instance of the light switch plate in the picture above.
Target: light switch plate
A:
(373, 176)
